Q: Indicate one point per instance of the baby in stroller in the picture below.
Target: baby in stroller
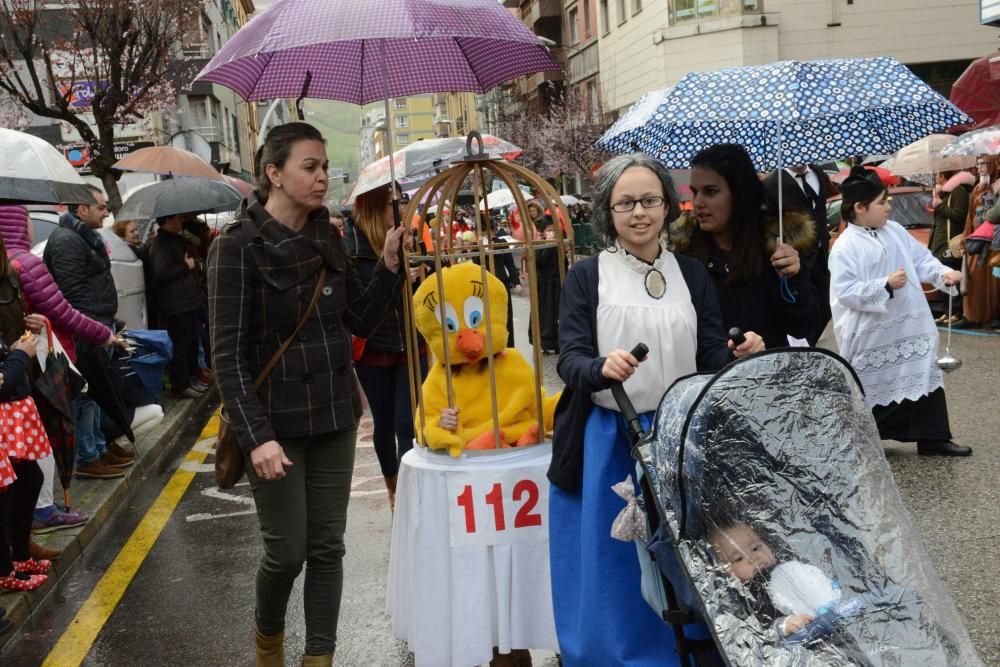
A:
(770, 489)
(803, 604)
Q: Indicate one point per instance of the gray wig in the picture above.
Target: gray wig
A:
(607, 177)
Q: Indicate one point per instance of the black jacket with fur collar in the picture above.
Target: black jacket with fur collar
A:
(758, 305)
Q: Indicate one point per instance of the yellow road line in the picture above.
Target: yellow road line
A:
(75, 642)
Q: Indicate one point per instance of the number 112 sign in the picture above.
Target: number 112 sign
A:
(498, 506)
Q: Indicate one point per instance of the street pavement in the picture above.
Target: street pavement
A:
(191, 600)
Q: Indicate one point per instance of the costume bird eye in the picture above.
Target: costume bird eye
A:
(474, 311)
(451, 317)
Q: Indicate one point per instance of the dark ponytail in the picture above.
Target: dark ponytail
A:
(275, 150)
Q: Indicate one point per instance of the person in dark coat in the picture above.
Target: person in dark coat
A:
(299, 428)
(383, 368)
(502, 267)
(952, 193)
(759, 282)
(806, 188)
(180, 299)
(77, 257)
(549, 288)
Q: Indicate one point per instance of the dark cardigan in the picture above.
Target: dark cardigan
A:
(580, 361)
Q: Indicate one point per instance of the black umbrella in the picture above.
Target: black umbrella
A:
(54, 391)
(97, 367)
(180, 195)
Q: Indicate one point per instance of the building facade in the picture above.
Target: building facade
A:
(208, 113)
(646, 45)
(455, 114)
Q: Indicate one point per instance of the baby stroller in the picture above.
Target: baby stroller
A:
(767, 485)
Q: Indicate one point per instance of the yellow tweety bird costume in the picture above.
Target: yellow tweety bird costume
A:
(463, 313)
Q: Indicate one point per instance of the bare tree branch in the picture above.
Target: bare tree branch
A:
(120, 51)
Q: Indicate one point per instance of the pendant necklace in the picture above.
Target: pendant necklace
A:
(653, 280)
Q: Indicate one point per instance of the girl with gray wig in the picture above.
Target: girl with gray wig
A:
(601, 220)
(634, 291)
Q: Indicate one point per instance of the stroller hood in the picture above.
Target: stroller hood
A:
(770, 480)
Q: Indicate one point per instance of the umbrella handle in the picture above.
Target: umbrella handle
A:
(48, 333)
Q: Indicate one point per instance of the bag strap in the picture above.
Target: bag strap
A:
(284, 346)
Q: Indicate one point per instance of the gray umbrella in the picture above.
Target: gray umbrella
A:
(180, 195)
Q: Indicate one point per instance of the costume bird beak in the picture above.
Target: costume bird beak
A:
(471, 343)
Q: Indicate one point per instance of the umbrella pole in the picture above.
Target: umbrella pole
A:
(781, 198)
(66, 498)
(388, 133)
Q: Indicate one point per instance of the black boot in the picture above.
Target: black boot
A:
(942, 448)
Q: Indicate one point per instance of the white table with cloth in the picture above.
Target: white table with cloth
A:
(469, 564)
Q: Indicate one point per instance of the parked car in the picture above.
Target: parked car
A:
(44, 220)
(130, 281)
(911, 208)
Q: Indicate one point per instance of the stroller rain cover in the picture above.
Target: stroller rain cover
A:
(786, 510)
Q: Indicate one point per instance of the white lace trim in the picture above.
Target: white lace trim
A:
(906, 387)
(874, 293)
(898, 352)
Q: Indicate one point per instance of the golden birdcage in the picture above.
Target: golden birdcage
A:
(445, 187)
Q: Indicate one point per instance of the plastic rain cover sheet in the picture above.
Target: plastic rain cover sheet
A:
(788, 522)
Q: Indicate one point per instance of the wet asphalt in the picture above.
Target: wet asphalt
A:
(191, 602)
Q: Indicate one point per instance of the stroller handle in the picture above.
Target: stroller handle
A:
(624, 404)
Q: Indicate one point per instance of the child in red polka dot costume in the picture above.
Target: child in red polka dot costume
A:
(22, 442)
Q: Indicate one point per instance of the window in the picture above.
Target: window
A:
(693, 10)
(605, 19)
(574, 26)
(403, 139)
(402, 121)
(593, 102)
(401, 103)
(622, 16)
(586, 18)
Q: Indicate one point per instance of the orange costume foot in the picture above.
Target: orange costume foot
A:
(485, 441)
(530, 437)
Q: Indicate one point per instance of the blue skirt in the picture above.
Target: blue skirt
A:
(600, 614)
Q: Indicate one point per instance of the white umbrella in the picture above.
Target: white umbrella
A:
(418, 162)
(569, 200)
(500, 199)
(33, 171)
(924, 156)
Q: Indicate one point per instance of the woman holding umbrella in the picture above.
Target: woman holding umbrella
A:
(277, 266)
(757, 278)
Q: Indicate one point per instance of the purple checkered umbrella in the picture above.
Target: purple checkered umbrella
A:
(365, 50)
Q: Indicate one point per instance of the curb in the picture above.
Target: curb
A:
(100, 499)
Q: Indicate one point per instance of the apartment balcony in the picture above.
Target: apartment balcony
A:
(583, 63)
(210, 132)
(541, 9)
(534, 81)
(196, 51)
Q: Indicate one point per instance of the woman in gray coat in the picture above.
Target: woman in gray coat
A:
(299, 428)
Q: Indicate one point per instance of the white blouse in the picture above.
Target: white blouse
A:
(628, 314)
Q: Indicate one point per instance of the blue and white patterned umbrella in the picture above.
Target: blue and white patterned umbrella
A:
(788, 113)
(629, 128)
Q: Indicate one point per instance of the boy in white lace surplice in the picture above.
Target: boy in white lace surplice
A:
(883, 324)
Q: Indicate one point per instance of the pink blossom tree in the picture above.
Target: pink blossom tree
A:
(559, 142)
(95, 65)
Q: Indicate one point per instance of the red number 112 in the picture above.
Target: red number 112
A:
(524, 517)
